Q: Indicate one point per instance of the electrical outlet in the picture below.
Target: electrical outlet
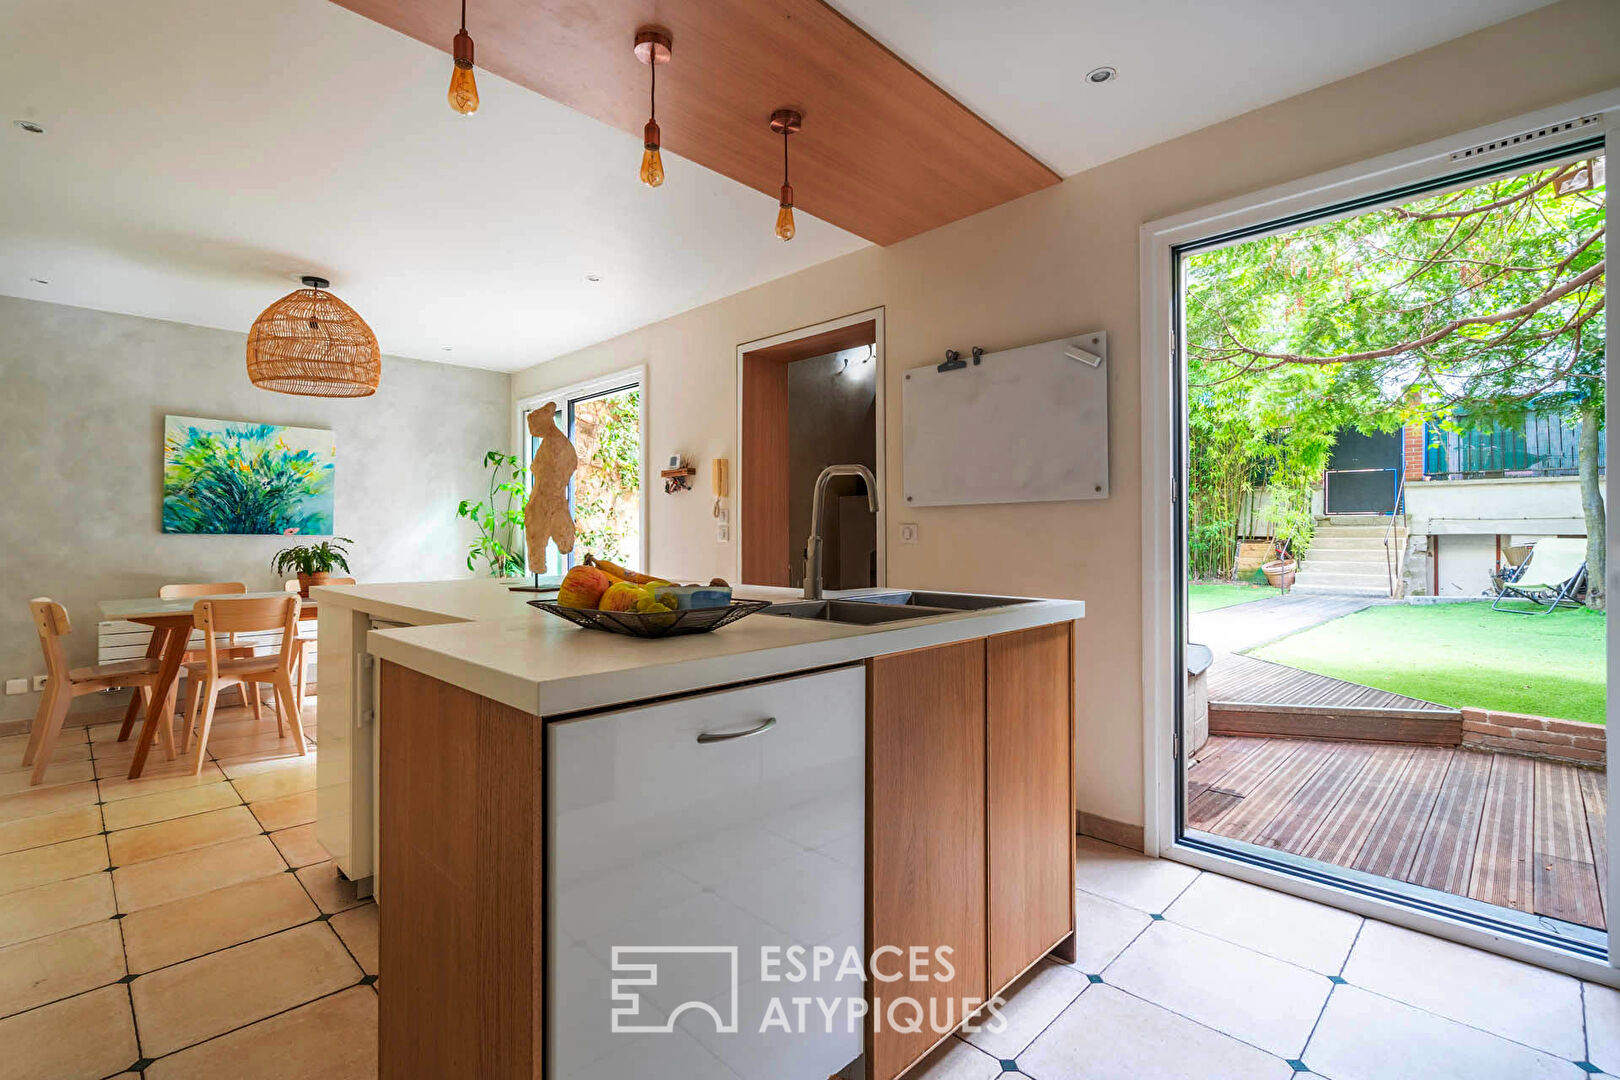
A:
(722, 533)
(16, 686)
(908, 532)
(39, 682)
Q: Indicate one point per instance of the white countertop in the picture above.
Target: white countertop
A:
(482, 638)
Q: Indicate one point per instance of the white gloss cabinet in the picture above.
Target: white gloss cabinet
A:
(688, 830)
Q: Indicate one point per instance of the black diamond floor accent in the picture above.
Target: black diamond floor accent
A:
(1008, 1065)
(141, 1063)
(127, 979)
(368, 980)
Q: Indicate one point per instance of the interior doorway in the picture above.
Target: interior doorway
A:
(808, 399)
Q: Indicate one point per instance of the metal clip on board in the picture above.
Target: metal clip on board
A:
(954, 361)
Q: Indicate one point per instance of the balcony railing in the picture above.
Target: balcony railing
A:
(1545, 444)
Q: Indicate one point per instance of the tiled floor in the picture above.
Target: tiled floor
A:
(182, 927)
(1189, 974)
(178, 926)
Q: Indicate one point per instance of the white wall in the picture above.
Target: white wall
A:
(81, 437)
(1522, 504)
(1058, 262)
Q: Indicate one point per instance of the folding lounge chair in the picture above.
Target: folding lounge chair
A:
(1550, 576)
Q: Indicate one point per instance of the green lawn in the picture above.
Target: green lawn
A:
(1208, 597)
(1462, 655)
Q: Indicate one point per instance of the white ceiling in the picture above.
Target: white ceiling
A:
(1183, 64)
(201, 155)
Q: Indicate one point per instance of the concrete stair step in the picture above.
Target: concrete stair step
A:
(1369, 529)
(1353, 543)
(1327, 578)
(1381, 591)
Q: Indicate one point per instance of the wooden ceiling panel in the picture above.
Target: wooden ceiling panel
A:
(884, 153)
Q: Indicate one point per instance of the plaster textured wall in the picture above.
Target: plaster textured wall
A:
(82, 399)
(1057, 262)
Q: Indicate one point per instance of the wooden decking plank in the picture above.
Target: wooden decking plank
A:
(1595, 800)
(1503, 857)
(1316, 800)
(1564, 874)
(1343, 835)
(1251, 772)
(1235, 678)
(1208, 770)
(1445, 857)
(1208, 808)
(1393, 841)
(1249, 818)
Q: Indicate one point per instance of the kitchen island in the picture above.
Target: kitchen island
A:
(557, 806)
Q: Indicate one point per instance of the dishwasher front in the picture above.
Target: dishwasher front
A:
(706, 884)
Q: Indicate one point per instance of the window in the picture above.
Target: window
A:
(604, 420)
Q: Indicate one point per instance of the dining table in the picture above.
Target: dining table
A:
(172, 623)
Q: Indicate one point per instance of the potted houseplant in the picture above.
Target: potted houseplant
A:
(314, 563)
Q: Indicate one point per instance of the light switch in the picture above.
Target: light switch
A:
(16, 686)
(908, 532)
(722, 533)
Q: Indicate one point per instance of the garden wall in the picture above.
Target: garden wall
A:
(1536, 736)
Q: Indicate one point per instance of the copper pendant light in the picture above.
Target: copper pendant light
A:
(652, 48)
(463, 94)
(311, 343)
(786, 122)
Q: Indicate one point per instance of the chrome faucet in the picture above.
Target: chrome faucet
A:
(812, 546)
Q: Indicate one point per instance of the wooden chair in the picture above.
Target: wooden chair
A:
(228, 616)
(63, 684)
(305, 641)
(233, 651)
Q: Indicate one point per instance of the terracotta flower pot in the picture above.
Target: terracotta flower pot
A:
(1280, 574)
(306, 580)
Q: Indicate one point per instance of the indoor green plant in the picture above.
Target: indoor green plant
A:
(313, 562)
(498, 516)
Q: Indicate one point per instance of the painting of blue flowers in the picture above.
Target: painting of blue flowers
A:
(228, 476)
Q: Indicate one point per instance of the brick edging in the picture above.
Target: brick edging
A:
(1538, 736)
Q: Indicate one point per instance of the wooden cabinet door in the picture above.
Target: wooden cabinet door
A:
(1029, 797)
(925, 843)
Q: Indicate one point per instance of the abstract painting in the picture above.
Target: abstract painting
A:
(229, 476)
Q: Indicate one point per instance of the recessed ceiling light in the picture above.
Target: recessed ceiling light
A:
(593, 278)
(448, 348)
(1101, 75)
(30, 127)
(40, 280)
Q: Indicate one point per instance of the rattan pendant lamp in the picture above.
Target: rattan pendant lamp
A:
(311, 343)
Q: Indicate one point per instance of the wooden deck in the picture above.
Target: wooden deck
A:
(1507, 830)
(1245, 679)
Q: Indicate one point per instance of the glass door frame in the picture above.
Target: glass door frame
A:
(1342, 192)
(565, 398)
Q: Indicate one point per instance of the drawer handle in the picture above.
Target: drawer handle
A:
(726, 736)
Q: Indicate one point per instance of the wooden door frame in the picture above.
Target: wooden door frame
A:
(787, 337)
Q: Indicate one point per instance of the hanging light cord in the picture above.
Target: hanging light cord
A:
(652, 104)
(784, 155)
(463, 16)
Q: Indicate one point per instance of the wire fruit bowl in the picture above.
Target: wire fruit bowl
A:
(654, 624)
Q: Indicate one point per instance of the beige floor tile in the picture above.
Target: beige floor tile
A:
(1109, 1035)
(285, 812)
(50, 828)
(39, 866)
(189, 873)
(108, 733)
(46, 800)
(1364, 1036)
(265, 744)
(50, 909)
(1298, 931)
(1032, 1003)
(213, 994)
(1602, 1027)
(158, 776)
(299, 845)
(1527, 1004)
(330, 891)
(82, 1038)
(239, 768)
(956, 1060)
(334, 1038)
(1102, 930)
(358, 929)
(158, 936)
(169, 804)
(70, 772)
(1252, 997)
(13, 746)
(277, 783)
(161, 838)
(60, 966)
(1129, 877)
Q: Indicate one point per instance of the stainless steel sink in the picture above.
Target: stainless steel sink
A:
(858, 612)
(940, 600)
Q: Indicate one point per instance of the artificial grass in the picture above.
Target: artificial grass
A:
(1210, 596)
(1462, 655)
